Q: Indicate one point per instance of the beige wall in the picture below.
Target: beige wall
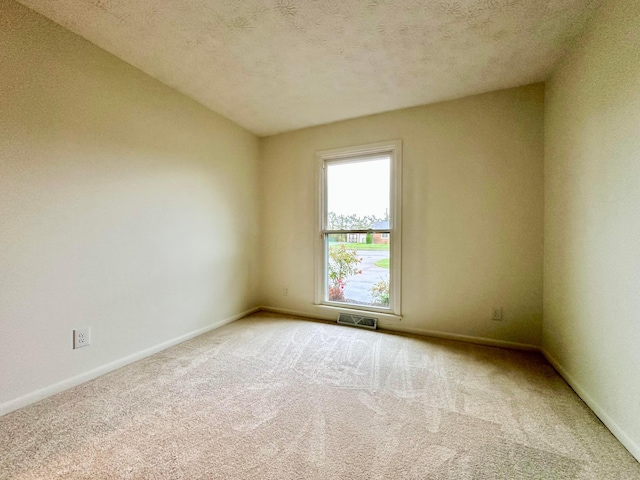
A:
(130, 208)
(123, 205)
(592, 219)
(472, 212)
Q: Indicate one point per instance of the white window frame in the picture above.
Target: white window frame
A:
(393, 148)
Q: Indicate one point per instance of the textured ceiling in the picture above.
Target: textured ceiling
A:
(279, 65)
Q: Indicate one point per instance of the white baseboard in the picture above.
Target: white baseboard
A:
(490, 342)
(294, 313)
(45, 392)
(615, 429)
(395, 327)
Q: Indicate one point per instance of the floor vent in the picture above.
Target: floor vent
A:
(358, 321)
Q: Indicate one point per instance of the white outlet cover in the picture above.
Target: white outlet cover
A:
(81, 337)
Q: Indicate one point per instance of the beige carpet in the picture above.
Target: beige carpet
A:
(271, 397)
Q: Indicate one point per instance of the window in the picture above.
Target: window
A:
(358, 263)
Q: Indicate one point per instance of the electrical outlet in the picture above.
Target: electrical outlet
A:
(496, 313)
(81, 337)
(285, 291)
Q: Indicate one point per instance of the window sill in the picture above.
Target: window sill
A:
(384, 316)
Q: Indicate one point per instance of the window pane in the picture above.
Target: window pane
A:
(358, 194)
(358, 269)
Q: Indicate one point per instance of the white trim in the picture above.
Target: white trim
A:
(393, 148)
(385, 325)
(63, 385)
(319, 256)
(356, 307)
(369, 149)
(489, 342)
(396, 227)
(614, 428)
